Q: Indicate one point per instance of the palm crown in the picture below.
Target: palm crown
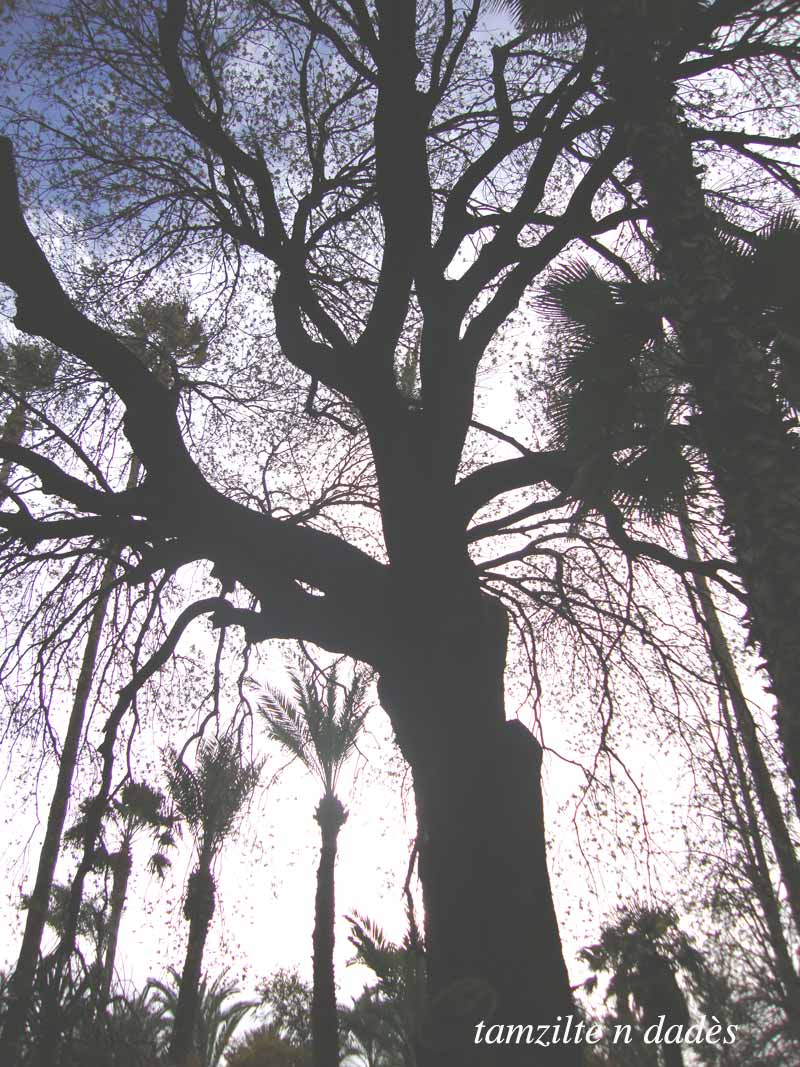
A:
(616, 376)
(564, 16)
(318, 725)
(210, 797)
(642, 951)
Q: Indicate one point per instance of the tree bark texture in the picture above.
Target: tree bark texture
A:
(753, 459)
(492, 941)
(199, 910)
(324, 1022)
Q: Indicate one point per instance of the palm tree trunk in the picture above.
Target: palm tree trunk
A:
(752, 457)
(324, 1019)
(199, 910)
(121, 865)
(21, 990)
(493, 947)
(747, 733)
(760, 881)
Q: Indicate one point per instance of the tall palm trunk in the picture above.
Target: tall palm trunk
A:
(768, 801)
(752, 458)
(21, 991)
(121, 863)
(38, 902)
(331, 816)
(743, 818)
(199, 910)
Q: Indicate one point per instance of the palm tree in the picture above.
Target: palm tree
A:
(392, 1014)
(209, 800)
(320, 727)
(615, 391)
(642, 950)
(28, 368)
(159, 334)
(216, 1021)
(739, 418)
(139, 808)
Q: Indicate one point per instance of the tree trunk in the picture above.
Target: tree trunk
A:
(752, 457)
(21, 990)
(493, 948)
(748, 734)
(199, 910)
(121, 866)
(760, 881)
(324, 1020)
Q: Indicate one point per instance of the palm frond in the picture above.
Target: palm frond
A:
(320, 726)
(544, 17)
(210, 797)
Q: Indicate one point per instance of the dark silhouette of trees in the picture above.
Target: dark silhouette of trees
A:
(218, 1014)
(615, 376)
(395, 1010)
(396, 190)
(139, 809)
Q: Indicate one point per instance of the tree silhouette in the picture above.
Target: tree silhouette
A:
(139, 809)
(619, 405)
(642, 949)
(390, 185)
(397, 1005)
(215, 1021)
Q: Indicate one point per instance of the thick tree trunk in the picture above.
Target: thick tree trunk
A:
(754, 461)
(324, 1021)
(121, 866)
(199, 910)
(21, 991)
(493, 948)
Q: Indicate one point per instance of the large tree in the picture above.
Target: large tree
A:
(394, 188)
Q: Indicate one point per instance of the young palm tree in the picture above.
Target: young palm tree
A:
(139, 809)
(642, 951)
(753, 460)
(216, 1020)
(209, 800)
(320, 727)
(394, 1011)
